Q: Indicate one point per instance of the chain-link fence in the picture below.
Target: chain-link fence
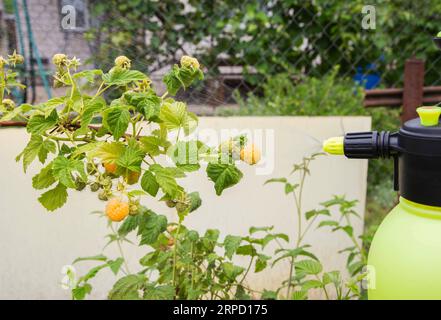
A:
(240, 44)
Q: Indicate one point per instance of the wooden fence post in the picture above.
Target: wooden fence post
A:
(413, 88)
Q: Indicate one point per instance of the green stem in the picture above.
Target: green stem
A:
(324, 288)
(121, 252)
(288, 289)
(175, 252)
(247, 271)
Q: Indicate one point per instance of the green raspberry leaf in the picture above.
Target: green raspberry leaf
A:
(54, 198)
(131, 158)
(63, 170)
(39, 124)
(122, 77)
(36, 147)
(146, 103)
(117, 120)
(44, 179)
(127, 287)
(231, 244)
(223, 176)
(149, 183)
(151, 227)
(175, 116)
(165, 292)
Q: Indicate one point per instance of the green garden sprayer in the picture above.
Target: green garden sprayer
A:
(405, 256)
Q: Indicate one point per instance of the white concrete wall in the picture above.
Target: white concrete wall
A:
(34, 244)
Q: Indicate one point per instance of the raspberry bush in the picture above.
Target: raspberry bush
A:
(122, 160)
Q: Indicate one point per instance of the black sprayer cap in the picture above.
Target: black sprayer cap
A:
(416, 150)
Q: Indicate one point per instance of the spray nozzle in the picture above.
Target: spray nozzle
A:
(362, 145)
(334, 146)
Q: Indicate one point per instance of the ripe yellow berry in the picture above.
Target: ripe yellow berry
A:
(117, 210)
(250, 154)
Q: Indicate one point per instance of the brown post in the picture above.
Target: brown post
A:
(413, 88)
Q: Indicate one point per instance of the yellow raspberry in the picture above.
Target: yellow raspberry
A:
(123, 62)
(187, 61)
(59, 59)
(250, 154)
(117, 210)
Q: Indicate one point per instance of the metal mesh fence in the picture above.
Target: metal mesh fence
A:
(240, 44)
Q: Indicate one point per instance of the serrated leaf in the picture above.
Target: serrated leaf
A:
(80, 292)
(49, 106)
(166, 180)
(63, 170)
(150, 145)
(258, 229)
(31, 151)
(166, 292)
(332, 277)
(299, 295)
(117, 120)
(115, 265)
(89, 75)
(309, 267)
(54, 198)
(91, 108)
(39, 124)
(328, 223)
(312, 213)
(175, 116)
(130, 223)
(223, 176)
(246, 250)
(14, 113)
(311, 284)
(146, 103)
(231, 271)
(127, 287)
(269, 295)
(44, 179)
(151, 228)
(149, 184)
(261, 262)
(108, 152)
(121, 77)
(131, 158)
(46, 147)
(231, 244)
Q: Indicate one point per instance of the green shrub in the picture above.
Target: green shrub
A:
(329, 95)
